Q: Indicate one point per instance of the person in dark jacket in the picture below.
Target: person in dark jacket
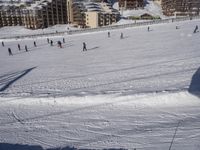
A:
(51, 43)
(34, 44)
(10, 52)
(19, 48)
(59, 44)
(196, 28)
(84, 46)
(121, 36)
(2, 43)
(26, 49)
(108, 34)
(63, 40)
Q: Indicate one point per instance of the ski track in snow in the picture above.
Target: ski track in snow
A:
(143, 121)
(121, 93)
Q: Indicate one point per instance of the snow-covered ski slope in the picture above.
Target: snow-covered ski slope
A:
(159, 60)
(121, 93)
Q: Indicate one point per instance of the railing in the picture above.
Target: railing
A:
(112, 27)
(159, 21)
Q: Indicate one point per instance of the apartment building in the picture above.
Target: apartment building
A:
(131, 4)
(180, 7)
(91, 14)
(43, 14)
(101, 14)
(10, 15)
(78, 14)
(38, 14)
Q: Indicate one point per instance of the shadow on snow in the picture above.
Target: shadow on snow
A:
(7, 146)
(9, 79)
(195, 84)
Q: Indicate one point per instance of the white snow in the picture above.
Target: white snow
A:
(151, 8)
(13, 31)
(121, 93)
(141, 121)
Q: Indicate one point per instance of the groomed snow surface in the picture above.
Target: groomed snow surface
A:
(121, 93)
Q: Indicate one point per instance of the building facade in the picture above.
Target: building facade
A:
(39, 14)
(43, 14)
(92, 14)
(10, 16)
(180, 7)
(131, 4)
(101, 15)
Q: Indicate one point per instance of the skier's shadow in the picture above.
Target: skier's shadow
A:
(8, 79)
(9, 146)
(93, 48)
(195, 84)
(150, 30)
(33, 48)
(125, 37)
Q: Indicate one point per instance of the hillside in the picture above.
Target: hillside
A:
(137, 92)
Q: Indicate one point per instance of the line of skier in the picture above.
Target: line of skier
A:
(59, 43)
(34, 43)
(19, 47)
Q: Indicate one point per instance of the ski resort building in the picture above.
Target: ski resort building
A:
(131, 4)
(43, 14)
(180, 7)
(10, 16)
(77, 14)
(91, 14)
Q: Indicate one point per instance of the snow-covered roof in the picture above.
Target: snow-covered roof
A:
(39, 4)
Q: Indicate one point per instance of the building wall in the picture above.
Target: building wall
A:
(69, 11)
(99, 19)
(130, 4)
(47, 13)
(158, 1)
(180, 7)
(11, 16)
(92, 19)
(78, 15)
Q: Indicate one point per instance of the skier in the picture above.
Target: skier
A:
(2, 43)
(26, 48)
(84, 47)
(108, 34)
(51, 43)
(47, 40)
(148, 28)
(34, 44)
(63, 40)
(9, 51)
(19, 48)
(121, 36)
(196, 28)
(59, 44)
